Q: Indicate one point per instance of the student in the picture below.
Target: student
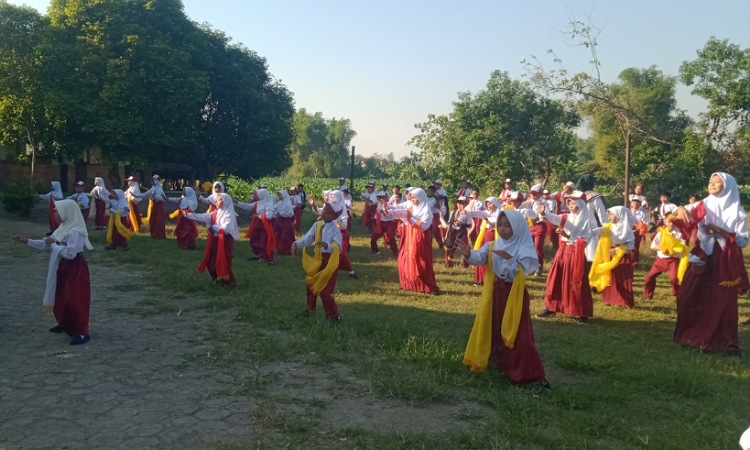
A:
(640, 227)
(443, 195)
(502, 331)
(222, 232)
(486, 230)
(638, 195)
(260, 233)
(550, 205)
(568, 291)
(458, 229)
(370, 198)
(157, 216)
(612, 268)
(507, 191)
(134, 189)
(337, 200)
(348, 204)
(465, 190)
(665, 207)
(434, 203)
(119, 228)
(322, 268)
(530, 208)
(475, 204)
(217, 188)
(186, 231)
(707, 300)
(100, 194)
(299, 206)
(68, 288)
(385, 227)
(594, 200)
(283, 222)
(52, 196)
(82, 199)
(342, 184)
(415, 250)
(671, 256)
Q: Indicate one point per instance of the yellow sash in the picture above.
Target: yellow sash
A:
(480, 236)
(148, 213)
(114, 221)
(670, 245)
(316, 278)
(175, 214)
(478, 348)
(133, 218)
(600, 274)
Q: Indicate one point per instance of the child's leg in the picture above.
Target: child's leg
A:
(326, 296)
(674, 264)
(310, 299)
(649, 284)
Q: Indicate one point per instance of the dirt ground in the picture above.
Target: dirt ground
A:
(134, 386)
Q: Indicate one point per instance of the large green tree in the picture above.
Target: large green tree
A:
(505, 130)
(320, 146)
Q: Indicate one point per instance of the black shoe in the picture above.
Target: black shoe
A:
(253, 258)
(80, 339)
(333, 321)
(353, 275)
(375, 252)
(583, 321)
(546, 313)
(435, 293)
(109, 247)
(56, 329)
(542, 386)
(271, 263)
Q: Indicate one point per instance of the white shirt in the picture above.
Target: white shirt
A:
(370, 198)
(331, 233)
(70, 246)
(82, 199)
(666, 208)
(657, 238)
(383, 217)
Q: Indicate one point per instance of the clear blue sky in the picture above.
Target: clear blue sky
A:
(387, 64)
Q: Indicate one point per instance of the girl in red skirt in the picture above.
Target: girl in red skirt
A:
(51, 197)
(619, 291)
(502, 331)
(157, 216)
(568, 291)
(222, 232)
(486, 234)
(283, 217)
(68, 288)
(186, 231)
(261, 234)
(707, 300)
(415, 250)
(100, 195)
(119, 226)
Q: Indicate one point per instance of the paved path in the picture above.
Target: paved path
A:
(128, 388)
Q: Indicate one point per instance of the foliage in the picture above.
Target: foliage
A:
(320, 147)
(19, 197)
(503, 131)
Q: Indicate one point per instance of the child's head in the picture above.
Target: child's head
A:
(279, 196)
(693, 198)
(612, 217)
(504, 230)
(639, 189)
(635, 204)
(431, 190)
(665, 196)
(475, 194)
(573, 206)
(668, 222)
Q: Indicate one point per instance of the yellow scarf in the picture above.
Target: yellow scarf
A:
(480, 236)
(148, 213)
(670, 245)
(478, 348)
(600, 274)
(316, 278)
(133, 217)
(114, 221)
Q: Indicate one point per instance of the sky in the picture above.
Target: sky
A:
(386, 65)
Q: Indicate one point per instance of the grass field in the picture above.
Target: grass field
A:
(617, 383)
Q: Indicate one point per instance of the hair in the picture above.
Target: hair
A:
(666, 194)
(431, 188)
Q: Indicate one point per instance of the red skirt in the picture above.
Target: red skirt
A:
(85, 213)
(521, 364)
(620, 289)
(53, 224)
(119, 240)
(186, 232)
(421, 260)
(157, 221)
(284, 228)
(101, 219)
(568, 290)
(345, 263)
(538, 232)
(73, 296)
(479, 271)
(706, 311)
(298, 219)
(228, 253)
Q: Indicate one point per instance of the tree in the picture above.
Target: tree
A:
(627, 108)
(505, 128)
(721, 75)
(320, 146)
(22, 112)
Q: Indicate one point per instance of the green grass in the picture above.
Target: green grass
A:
(618, 383)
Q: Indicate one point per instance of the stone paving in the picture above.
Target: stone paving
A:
(128, 388)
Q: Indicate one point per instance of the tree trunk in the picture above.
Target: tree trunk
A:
(627, 168)
(32, 142)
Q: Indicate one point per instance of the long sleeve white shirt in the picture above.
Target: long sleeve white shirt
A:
(330, 233)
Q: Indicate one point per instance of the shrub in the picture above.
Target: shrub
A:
(19, 197)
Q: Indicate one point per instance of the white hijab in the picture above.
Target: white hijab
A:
(157, 191)
(72, 221)
(723, 210)
(212, 197)
(120, 203)
(622, 229)
(582, 223)
(226, 218)
(56, 190)
(421, 212)
(265, 201)
(338, 201)
(190, 201)
(284, 208)
(99, 190)
(520, 246)
(492, 216)
(135, 187)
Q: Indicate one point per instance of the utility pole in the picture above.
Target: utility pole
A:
(351, 175)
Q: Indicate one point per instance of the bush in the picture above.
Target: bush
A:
(19, 197)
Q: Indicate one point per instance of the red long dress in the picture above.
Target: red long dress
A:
(480, 271)
(186, 231)
(157, 221)
(620, 290)
(73, 296)
(415, 260)
(538, 233)
(284, 228)
(568, 290)
(101, 219)
(521, 364)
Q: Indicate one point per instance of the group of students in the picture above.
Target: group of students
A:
(502, 236)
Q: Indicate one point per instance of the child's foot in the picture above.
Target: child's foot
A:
(583, 321)
(80, 339)
(56, 329)
(333, 321)
(353, 275)
(546, 313)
